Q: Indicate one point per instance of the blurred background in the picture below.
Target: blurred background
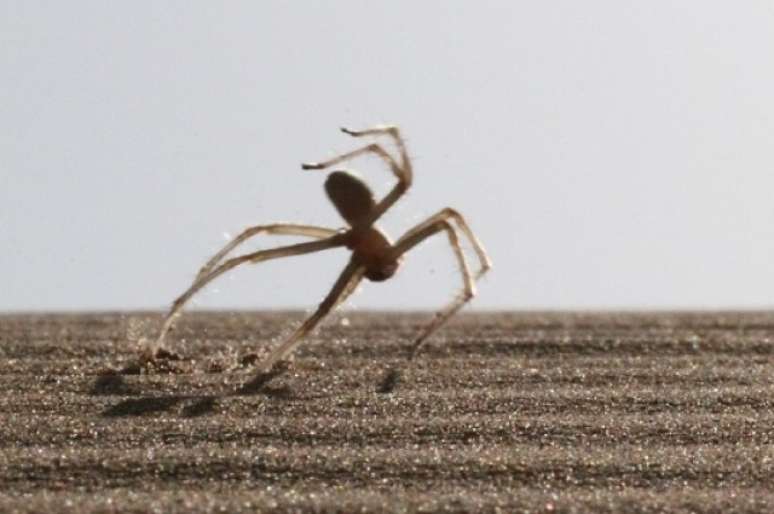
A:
(608, 154)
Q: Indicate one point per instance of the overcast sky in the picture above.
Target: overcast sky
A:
(609, 154)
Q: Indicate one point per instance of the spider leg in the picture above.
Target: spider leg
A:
(405, 178)
(289, 229)
(349, 289)
(373, 148)
(392, 131)
(344, 286)
(253, 258)
(450, 214)
(402, 171)
(416, 236)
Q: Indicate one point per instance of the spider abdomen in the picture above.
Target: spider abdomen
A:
(350, 195)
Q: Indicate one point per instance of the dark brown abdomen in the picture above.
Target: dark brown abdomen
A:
(350, 195)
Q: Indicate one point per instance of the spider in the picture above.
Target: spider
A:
(374, 256)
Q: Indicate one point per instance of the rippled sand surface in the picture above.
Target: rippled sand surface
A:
(501, 412)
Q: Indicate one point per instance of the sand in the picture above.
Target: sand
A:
(501, 412)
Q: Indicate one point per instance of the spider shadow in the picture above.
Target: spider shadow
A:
(143, 405)
(201, 407)
(111, 383)
(390, 381)
(192, 406)
(259, 384)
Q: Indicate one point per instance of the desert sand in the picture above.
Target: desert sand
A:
(501, 412)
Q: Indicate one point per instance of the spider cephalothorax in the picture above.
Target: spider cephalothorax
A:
(374, 255)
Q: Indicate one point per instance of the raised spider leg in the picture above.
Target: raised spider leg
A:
(373, 148)
(403, 171)
(287, 229)
(451, 214)
(392, 131)
(416, 236)
(255, 257)
(344, 286)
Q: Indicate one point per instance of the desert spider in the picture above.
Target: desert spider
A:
(374, 256)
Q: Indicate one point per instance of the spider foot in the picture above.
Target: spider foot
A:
(169, 355)
(254, 359)
(390, 381)
(249, 359)
(156, 360)
(312, 166)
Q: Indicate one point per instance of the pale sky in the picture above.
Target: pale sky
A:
(609, 154)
